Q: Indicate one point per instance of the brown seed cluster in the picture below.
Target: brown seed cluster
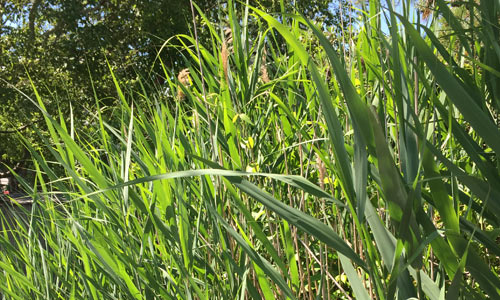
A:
(228, 34)
(263, 69)
(427, 9)
(320, 165)
(226, 44)
(224, 57)
(183, 78)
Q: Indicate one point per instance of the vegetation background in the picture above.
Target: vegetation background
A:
(64, 45)
(231, 150)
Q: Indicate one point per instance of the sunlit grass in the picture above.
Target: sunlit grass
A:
(286, 171)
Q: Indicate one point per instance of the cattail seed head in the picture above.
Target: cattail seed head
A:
(320, 165)
(224, 57)
(263, 69)
(228, 36)
(427, 9)
(184, 80)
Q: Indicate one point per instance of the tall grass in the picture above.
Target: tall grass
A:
(290, 169)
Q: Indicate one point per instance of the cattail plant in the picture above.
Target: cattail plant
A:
(184, 81)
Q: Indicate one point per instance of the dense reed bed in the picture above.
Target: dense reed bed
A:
(284, 163)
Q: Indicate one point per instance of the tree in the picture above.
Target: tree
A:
(65, 46)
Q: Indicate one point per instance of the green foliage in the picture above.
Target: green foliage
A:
(286, 170)
(64, 47)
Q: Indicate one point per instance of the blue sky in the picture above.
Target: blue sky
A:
(398, 7)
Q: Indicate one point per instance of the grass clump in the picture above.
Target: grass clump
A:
(271, 180)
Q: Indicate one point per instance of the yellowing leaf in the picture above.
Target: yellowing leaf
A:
(245, 118)
(252, 168)
(251, 142)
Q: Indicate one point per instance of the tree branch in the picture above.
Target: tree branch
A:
(32, 16)
(20, 128)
